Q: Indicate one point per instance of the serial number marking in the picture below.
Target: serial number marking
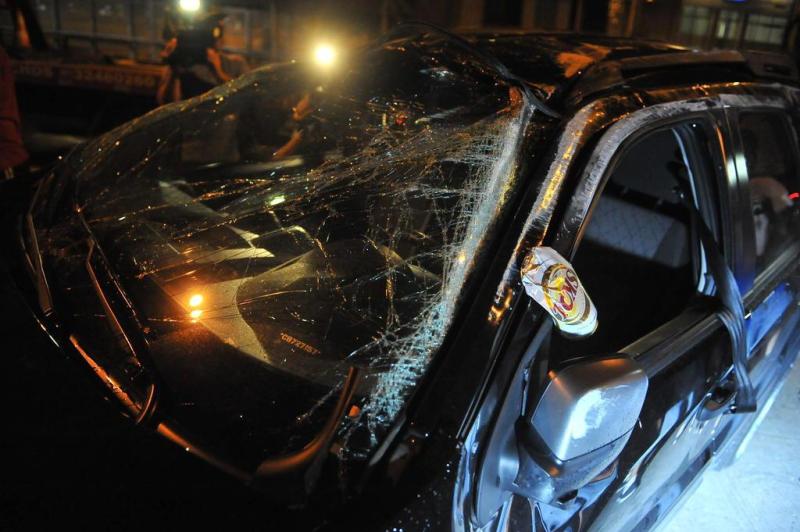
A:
(291, 340)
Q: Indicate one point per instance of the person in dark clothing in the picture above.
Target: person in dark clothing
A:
(195, 63)
(12, 151)
(307, 137)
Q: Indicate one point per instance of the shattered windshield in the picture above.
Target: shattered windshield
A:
(310, 222)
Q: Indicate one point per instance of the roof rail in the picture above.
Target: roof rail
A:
(771, 65)
(742, 65)
(639, 65)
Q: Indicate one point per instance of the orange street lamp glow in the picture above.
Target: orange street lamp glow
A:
(196, 300)
(190, 6)
(324, 55)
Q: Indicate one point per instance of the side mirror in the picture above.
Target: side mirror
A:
(574, 430)
(579, 426)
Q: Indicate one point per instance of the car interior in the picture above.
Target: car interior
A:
(773, 182)
(636, 248)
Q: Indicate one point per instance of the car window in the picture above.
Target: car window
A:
(773, 181)
(638, 258)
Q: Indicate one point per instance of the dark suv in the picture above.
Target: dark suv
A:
(312, 277)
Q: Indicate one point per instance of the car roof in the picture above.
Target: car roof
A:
(557, 58)
(569, 68)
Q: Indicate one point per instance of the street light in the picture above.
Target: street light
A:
(324, 55)
(189, 6)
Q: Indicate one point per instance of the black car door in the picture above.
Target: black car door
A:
(640, 257)
(765, 202)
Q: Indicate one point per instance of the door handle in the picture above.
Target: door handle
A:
(718, 401)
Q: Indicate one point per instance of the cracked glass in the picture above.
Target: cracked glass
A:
(297, 223)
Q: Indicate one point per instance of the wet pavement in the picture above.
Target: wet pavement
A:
(760, 492)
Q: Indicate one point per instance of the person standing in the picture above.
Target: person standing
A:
(12, 151)
(195, 62)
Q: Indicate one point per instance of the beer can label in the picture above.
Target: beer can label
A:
(551, 281)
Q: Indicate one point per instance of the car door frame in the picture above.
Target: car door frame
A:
(771, 356)
(574, 171)
(669, 345)
(736, 229)
(756, 287)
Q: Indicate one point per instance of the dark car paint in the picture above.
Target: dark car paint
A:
(512, 342)
(453, 410)
(694, 383)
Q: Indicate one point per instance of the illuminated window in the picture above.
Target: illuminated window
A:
(764, 29)
(695, 24)
(729, 24)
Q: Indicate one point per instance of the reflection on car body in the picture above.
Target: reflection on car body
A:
(314, 281)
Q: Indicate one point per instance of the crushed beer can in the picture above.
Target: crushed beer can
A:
(551, 281)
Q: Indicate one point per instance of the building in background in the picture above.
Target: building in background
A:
(274, 30)
(750, 24)
(104, 56)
